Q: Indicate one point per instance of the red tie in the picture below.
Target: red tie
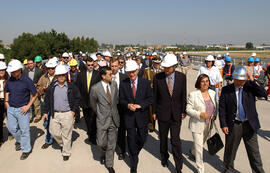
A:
(133, 89)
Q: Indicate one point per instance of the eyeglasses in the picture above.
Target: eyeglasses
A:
(65, 57)
(90, 64)
(121, 62)
(51, 68)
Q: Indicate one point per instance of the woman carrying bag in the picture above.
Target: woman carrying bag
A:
(201, 107)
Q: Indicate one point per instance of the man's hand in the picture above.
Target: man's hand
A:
(204, 115)
(24, 109)
(154, 116)
(137, 106)
(213, 118)
(45, 117)
(72, 113)
(250, 75)
(6, 105)
(183, 116)
(131, 107)
(225, 130)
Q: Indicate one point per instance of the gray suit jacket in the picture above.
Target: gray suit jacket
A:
(102, 107)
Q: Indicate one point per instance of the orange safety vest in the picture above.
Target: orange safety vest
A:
(230, 72)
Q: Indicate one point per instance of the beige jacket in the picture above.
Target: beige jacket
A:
(196, 105)
(43, 82)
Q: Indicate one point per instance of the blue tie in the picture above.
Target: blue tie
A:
(241, 111)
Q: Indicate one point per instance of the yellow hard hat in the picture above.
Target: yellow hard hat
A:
(24, 61)
(73, 62)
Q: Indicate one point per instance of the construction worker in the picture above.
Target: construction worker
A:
(184, 62)
(250, 66)
(257, 68)
(149, 74)
(72, 77)
(38, 62)
(2, 57)
(65, 60)
(94, 57)
(228, 71)
(25, 64)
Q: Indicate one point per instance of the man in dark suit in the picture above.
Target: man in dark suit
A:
(239, 119)
(169, 108)
(121, 139)
(135, 98)
(86, 79)
(34, 73)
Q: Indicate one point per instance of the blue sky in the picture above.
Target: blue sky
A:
(145, 22)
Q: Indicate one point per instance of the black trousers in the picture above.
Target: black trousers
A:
(121, 138)
(2, 110)
(232, 141)
(174, 127)
(90, 120)
(136, 138)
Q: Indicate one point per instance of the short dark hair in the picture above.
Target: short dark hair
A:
(103, 70)
(89, 59)
(121, 58)
(199, 79)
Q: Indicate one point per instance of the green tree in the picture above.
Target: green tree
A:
(249, 45)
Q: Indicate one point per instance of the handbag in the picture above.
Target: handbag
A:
(214, 143)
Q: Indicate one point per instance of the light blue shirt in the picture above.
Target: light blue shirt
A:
(172, 77)
(135, 83)
(61, 98)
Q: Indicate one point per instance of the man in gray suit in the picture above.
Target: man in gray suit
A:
(104, 99)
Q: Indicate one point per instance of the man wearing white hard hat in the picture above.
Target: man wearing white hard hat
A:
(135, 97)
(3, 80)
(42, 86)
(239, 119)
(18, 103)
(2, 57)
(107, 57)
(185, 63)
(65, 60)
(94, 57)
(169, 106)
(62, 100)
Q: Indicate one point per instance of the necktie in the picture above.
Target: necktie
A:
(133, 89)
(170, 85)
(88, 80)
(114, 77)
(241, 111)
(108, 94)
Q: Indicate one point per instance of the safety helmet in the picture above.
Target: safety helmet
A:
(228, 59)
(2, 56)
(65, 55)
(257, 59)
(3, 65)
(60, 69)
(51, 63)
(209, 58)
(73, 62)
(240, 73)
(169, 60)
(25, 62)
(107, 53)
(38, 59)
(253, 54)
(14, 65)
(131, 65)
(250, 59)
(93, 56)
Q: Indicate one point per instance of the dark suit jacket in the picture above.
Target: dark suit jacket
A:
(144, 98)
(37, 75)
(82, 85)
(120, 109)
(164, 105)
(141, 72)
(228, 104)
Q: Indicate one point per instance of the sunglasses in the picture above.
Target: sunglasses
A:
(90, 64)
(121, 62)
(51, 68)
(65, 57)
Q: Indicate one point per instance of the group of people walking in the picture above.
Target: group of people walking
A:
(122, 97)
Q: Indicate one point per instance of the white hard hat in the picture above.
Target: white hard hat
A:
(83, 54)
(219, 55)
(169, 60)
(14, 66)
(3, 65)
(55, 59)
(138, 53)
(240, 73)
(60, 69)
(70, 54)
(253, 54)
(184, 53)
(154, 54)
(51, 63)
(65, 55)
(2, 56)
(210, 58)
(131, 65)
(107, 53)
(80, 52)
(227, 53)
(93, 56)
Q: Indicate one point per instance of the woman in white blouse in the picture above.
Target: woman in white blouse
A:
(201, 107)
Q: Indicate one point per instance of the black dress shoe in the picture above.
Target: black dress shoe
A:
(102, 160)
(17, 146)
(121, 156)
(164, 163)
(111, 170)
(45, 146)
(25, 155)
(133, 170)
(151, 131)
(65, 158)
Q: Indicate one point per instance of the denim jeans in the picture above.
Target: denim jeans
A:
(18, 126)
(46, 124)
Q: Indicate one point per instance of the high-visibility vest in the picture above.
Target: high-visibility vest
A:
(230, 70)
